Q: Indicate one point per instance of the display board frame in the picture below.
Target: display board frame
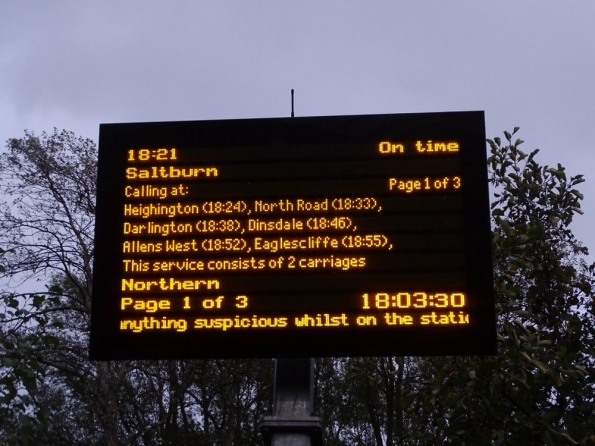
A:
(402, 266)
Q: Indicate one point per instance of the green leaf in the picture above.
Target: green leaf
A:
(38, 300)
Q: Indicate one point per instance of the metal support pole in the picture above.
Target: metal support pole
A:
(292, 423)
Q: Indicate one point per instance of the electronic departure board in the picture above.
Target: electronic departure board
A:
(287, 237)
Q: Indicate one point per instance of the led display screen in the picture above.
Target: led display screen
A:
(286, 237)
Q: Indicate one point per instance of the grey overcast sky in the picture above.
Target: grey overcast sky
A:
(76, 64)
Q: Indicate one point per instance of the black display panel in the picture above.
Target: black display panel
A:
(320, 236)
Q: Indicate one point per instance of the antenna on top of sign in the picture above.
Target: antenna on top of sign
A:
(292, 103)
